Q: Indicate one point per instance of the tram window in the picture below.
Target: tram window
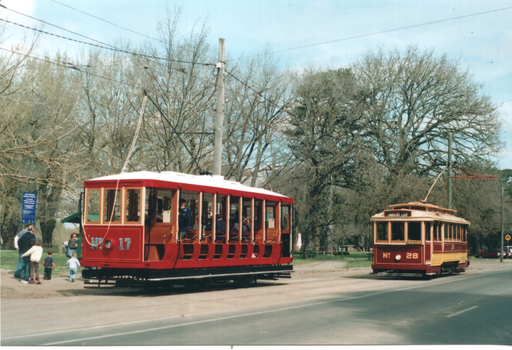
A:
(192, 200)
(285, 218)
(194, 208)
(234, 214)
(207, 210)
(458, 232)
(427, 231)
(164, 205)
(112, 205)
(257, 213)
(446, 231)
(132, 205)
(414, 231)
(93, 205)
(221, 206)
(382, 231)
(397, 231)
(247, 216)
(270, 215)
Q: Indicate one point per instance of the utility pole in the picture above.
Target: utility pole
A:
(502, 224)
(219, 120)
(449, 170)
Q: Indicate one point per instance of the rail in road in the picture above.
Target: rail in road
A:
(349, 307)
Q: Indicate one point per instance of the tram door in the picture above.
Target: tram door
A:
(286, 229)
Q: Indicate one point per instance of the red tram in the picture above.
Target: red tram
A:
(419, 238)
(131, 231)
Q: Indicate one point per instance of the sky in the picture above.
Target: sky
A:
(302, 33)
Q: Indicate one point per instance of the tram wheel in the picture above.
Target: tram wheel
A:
(244, 282)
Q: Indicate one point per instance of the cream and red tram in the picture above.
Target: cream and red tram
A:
(419, 238)
(131, 229)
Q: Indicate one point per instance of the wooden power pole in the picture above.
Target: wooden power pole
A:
(219, 120)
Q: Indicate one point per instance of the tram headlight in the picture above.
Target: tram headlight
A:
(398, 257)
(108, 244)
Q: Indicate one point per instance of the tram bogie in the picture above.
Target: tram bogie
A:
(419, 238)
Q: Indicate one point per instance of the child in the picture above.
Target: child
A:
(35, 255)
(73, 265)
(48, 266)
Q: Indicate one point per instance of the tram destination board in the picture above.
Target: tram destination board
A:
(397, 213)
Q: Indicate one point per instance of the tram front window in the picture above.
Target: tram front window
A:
(414, 231)
(397, 231)
(382, 231)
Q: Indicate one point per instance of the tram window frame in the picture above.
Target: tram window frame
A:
(428, 233)
(446, 231)
(97, 202)
(457, 228)
(436, 232)
(248, 213)
(285, 218)
(208, 212)
(398, 224)
(116, 206)
(385, 226)
(413, 224)
(234, 214)
(132, 211)
(192, 199)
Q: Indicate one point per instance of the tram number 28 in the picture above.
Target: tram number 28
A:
(97, 243)
(411, 256)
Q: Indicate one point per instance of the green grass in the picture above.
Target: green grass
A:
(9, 261)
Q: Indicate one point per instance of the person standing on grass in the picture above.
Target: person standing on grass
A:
(73, 265)
(48, 266)
(27, 228)
(25, 243)
(34, 254)
(72, 245)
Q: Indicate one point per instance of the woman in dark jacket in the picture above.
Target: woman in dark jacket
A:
(72, 245)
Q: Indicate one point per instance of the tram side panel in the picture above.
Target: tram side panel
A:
(398, 257)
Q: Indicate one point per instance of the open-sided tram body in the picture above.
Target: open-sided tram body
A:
(419, 238)
(131, 230)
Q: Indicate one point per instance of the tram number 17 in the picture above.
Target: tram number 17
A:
(97, 243)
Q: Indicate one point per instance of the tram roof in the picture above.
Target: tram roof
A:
(149, 178)
(419, 210)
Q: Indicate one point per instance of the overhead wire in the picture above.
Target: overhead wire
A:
(109, 22)
(105, 47)
(104, 20)
(381, 32)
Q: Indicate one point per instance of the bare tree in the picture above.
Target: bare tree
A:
(414, 100)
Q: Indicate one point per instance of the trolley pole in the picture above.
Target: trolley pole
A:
(219, 120)
(449, 170)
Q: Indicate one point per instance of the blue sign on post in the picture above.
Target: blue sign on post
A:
(29, 208)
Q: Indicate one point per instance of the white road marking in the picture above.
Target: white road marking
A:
(253, 314)
(458, 313)
(463, 278)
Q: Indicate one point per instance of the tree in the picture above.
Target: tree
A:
(255, 115)
(324, 138)
(413, 101)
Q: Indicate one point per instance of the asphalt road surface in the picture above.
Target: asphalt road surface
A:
(321, 304)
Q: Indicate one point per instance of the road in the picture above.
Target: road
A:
(319, 305)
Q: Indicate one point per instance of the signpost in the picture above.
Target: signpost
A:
(28, 214)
